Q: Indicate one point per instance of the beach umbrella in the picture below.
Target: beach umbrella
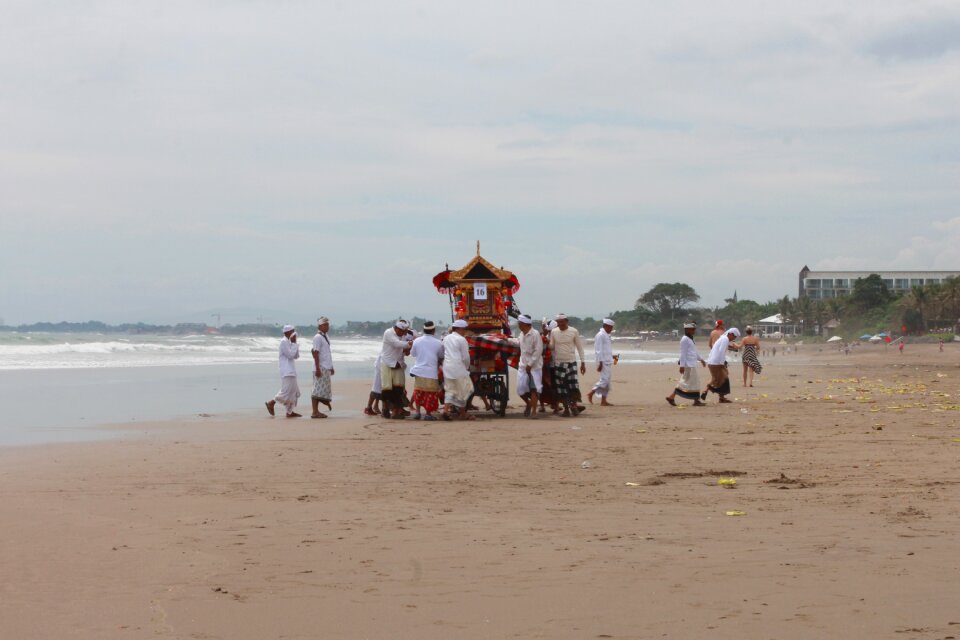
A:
(512, 285)
(835, 339)
(882, 334)
(866, 336)
(442, 282)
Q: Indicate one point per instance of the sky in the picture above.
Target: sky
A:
(283, 159)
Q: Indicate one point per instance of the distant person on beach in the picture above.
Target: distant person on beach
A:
(427, 351)
(566, 344)
(717, 364)
(457, 385)
(941, 345)
(689, 384)
(392, 352)
(289, 389)
(715, 334)
(603, 350)
(530, 367)
(322, 369)
(749, 347)
(901, 347)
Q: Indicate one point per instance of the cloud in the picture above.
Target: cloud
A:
(595, 152)
(918, 39)
(939, 248)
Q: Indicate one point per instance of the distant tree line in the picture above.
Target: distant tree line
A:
(870, 307)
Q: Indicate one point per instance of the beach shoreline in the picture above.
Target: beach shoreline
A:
(242, 526)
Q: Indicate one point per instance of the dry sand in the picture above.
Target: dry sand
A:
(250, 527)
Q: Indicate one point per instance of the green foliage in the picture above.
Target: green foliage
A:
(869, 292)
(666, 299)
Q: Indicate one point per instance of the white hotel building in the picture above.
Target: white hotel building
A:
(820, 285)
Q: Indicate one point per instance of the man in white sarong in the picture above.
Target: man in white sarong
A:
(322, 369)
(530, 368)
(289, 389)
(457, 385)
(689, 385)
(603, 348)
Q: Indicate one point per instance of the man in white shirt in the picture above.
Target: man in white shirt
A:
(457, 384)
(717, 364)
(603, 348)
(428, 352)
(322, 369)
(566, 344)
(689, 385)
(530, 368)
(392, 364)
(289, 389)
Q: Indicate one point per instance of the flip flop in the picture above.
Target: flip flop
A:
(672, 402)
(319, 415)
(294, 415)
(270, 408)
(430, 418)
(369, 412)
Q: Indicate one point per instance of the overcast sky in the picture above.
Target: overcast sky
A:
(162, 161)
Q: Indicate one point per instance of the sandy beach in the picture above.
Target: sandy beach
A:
(247, 527)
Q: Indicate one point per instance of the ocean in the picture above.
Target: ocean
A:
(59, 387)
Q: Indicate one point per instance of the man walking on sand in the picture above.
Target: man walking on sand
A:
(689, 385)
(603, 347)
(530, 369)
(457, 385)
(566, 344)
(717, 364)
(322, 369)
(427, 350)
(289, 389)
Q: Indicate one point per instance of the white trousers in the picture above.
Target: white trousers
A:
(524, 379)
(602, 387)
(289, 393)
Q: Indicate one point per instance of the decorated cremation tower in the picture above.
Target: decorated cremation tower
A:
(481, 294)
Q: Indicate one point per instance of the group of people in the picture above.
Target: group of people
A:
(323, 370)
(549, 365)
(720, 342)
(444, 381)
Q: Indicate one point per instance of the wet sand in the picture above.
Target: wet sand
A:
(247, 527)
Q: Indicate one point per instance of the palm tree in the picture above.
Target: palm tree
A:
(950, 299)
(835, 307)
(818, 313)
(803, 308)
(784, 308)
(917, 300)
